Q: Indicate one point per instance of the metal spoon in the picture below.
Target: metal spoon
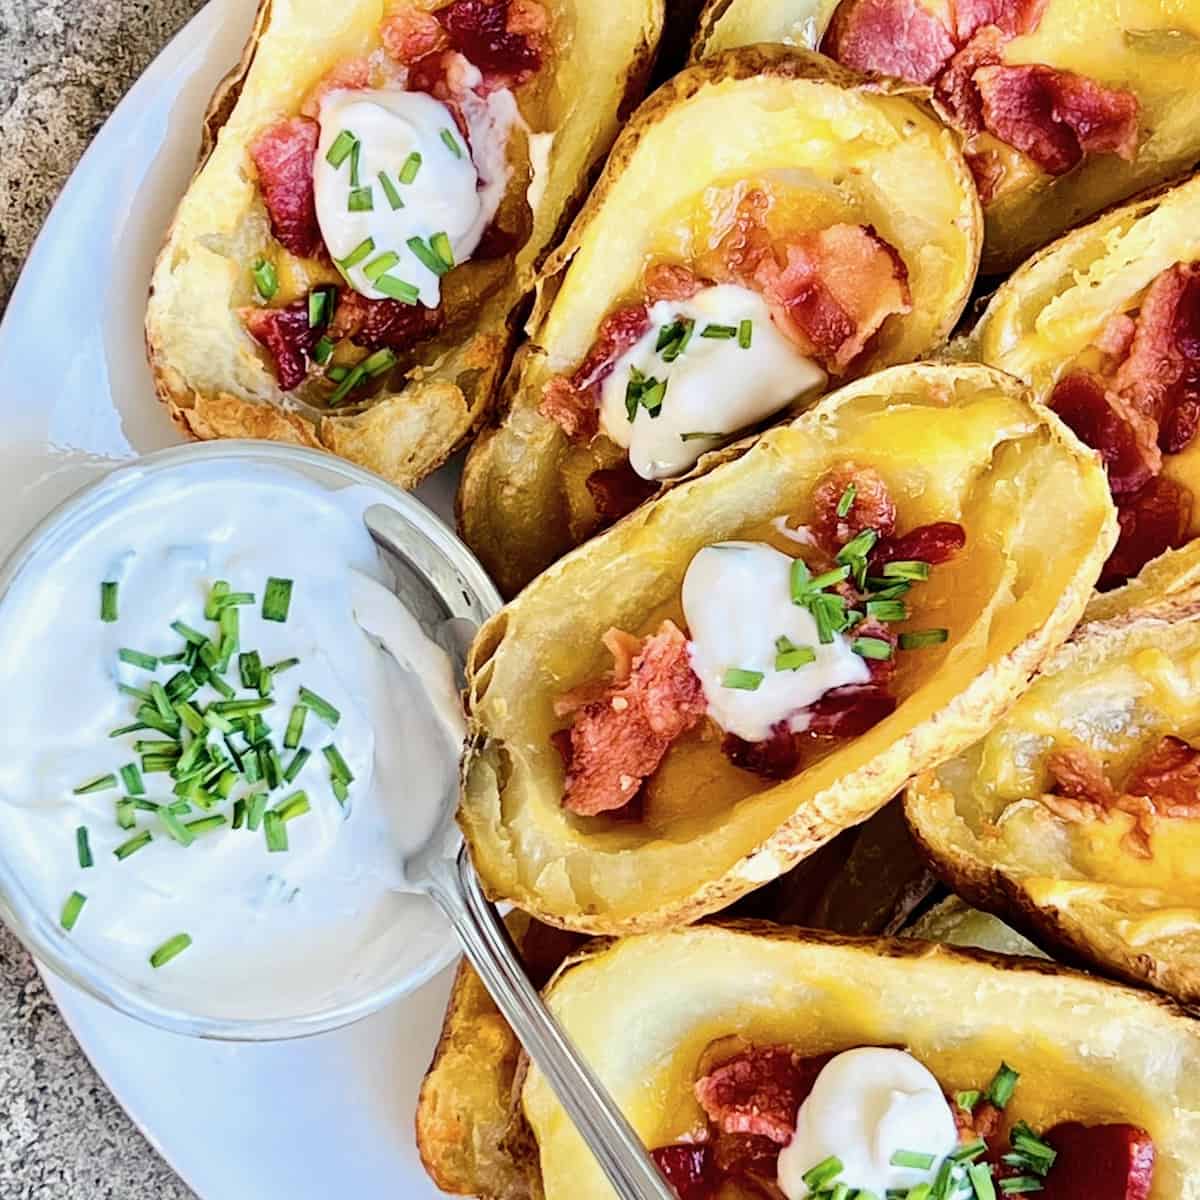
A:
(442, 604)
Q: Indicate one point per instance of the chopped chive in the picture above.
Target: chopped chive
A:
(426, 256)
(226, 782)
(296, 765)
(858, 547)
(294, 806)
(673, 339)
(131, 777)
(440, 244)
(133, 845)
(790, 657)
(135, 658)
(362, 199)
(136, 693)
(363, 250)
(1003, 1084)
(212, 606)
(742, 680)
(1031, 1150)
(338, 766)
(745, 334)
(249, 667)
(126, 818)
(233, 600)
(980, 1175)
(181, 686)
(341, 149)
(1015, 1185)
(920, 638)
(829, 578)
(103, 783)
(148, 717)
(71, 910)
(389, 190)
(173, 659)
(341, 790)
(380, 265)
(204, 825)
(910, 569)
(914, 1159)
(108, 601)
(699, 436)
(412, 164)
(219, 685)
(322, 708)
(170, 949)
(839, 1191)
(322, 351)
(83, 848)
(271, 766)
(318, 314)
(175, 827)
(230, 635)
(397, 289)
(284, 664)
(348, 383)
(824, 1172)
(887, 610)
(189, 634)
(158, 764)
(869, 647)
(966, 1100)
(217, 723)
(295, 727)
(451, 143)
(255, 810)
(266, 278)
(277, 600)
(720, 332)
(275, 832)
(919, 1192)
(241, 708)
(801, 579)
(239, 814)
(136, 727)
(162, 701)
(355, 161)
(379, 362)
(846, 503)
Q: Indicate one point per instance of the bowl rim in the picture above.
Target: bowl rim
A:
(39, 930)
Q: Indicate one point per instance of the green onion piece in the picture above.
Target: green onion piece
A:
(295, 727)
(341, 149)
(349, 382)
(801, 580)
(824, 1172)
(1031, 1150)
(381, 264)
(919, 1192)
(122, 730)
(181, 686)
(980, 1175)
(745, 334)
(212, 605)
(840, 1191)
(217, 723)
(108, 601)
(103, 783)
(412, 164)
(869, 647)
(296, 765)
(379, 362)
(135, 658)
(363, 250)
(275, 832)
(191, 718)
(318, 314)
(322, 351)
(397, 289)
(162, 701)
(389, 190)
(173, 659)
(322, 708)
(255, 810)
(362, 199)
(440, 244)
(272, 768)
(82, 847)
(673, 339)
(133, 845)
(829, 612)
(966, 1100)
(250, 770)
(148, 717)
(170, 949)
(920, 638)
(426, 256)
(337, 764)
(451, 143)
(277, 600)
(126, 817)
(913, 1158)
(887, 610)
(1003, 1084)
(341, 790)
(846, 503)
(249, 667)
(204, 825)
(136, 693)
(1017, 1184)
(239, 814)
(131, 777)
(790, 657)
(194, 636)
(741, 680)
(720, 332)
(158, 764)
(294, 806)
(858, 547)
(175, 827)
(912, 569)
(71, 910)
(230, 635)
(284, 664)
(829, 578)
(266, 278)
(700, 436)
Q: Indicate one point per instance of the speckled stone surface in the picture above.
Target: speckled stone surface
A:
(64, 64)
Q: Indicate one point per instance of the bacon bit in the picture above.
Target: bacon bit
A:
(935, 544)
(1056, 117)
(956, 90)
(1116, 338)
(759, 1091)
(850, 711)
(1077, 773)
(573, 411)
(1170, 776)
(1012, 17)
(480, 32)
(746, 244)
(889, 37)
(617, 491)
(409, 33)
(689, 1169)
(286, 336)
(982, 1122)
(377, 323)
(836, 289)
(746, 1155)
(613, 750)
(348, 75)
(1152, 520)
(1099, 1162)
(283, 155)
(871, 508)
(670, 281)
(1099, 418)
(776, 757)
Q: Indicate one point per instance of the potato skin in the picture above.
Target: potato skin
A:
(206, 368)
(725, 24)
(520, 505)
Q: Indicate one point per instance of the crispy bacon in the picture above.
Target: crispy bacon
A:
(286, 336)
(935, 544)
(955, 88)
(836, 288)
(409, 33)
(689, 1169)
(1079, 775)
(850, 711)
(776, 757)
(617, 491)
(1116, 338)
(1056, 117)
(377, 323)
(507, 53)
(983, 1121)
(283, 155)
(350, 73)
(1099, 1162)
(1170, 776)
(1011, 17)
(889, 37)
(670, 281)
(872, 506)
(759, 1091)
(1155, 519)
(618, 740)
(572, 410)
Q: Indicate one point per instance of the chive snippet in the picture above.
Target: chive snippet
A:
(126, 817)
(412, 164)
(175, 827)
(966, 1100)
(380, 265)
(912, 1158)
(846, 502)
(390, 191)
(980, 1175)
(440, 244)
(133, 845)
(204, 824)
(1003, 1084)
(355, 163)
(362, 199)
(275, 832)
(719, 332)
(295, 727)
(745, 334)
(171, 948)
(322, 708)
(296, 765)
(906, 569)
(293, 806)
(451, 143)
(131, 777)
(266, 278)
(398, 289)
(338, 767)
(358, 254)
(109, 605)
(1017, 1184)
(71, 910)
(869, 647)
(82, 847)
(742, 680)
(887, 610)
(277, 600)
(104, 783)
(381, 361)
(920, 638)
(135, 658)
(322, 351)
(427, 257)
(341, 149)
(823, 1173)
(790, 657)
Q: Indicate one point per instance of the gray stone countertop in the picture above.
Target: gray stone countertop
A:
(64, 64)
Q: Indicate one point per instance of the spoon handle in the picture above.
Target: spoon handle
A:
(617, 1148)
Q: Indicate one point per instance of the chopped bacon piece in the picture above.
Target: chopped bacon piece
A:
(1116, 338)
(286, 336)
(1055, 117)
(1078, 774)
(377, 323)
(619, 331)
(1102, 421)
(889, 37)
(1153, 520)
(983, 1121)
(349, 74)
(872, 506)
(1099, 1162)
(934, 544)
(620, 739)
(955, 88)
(283, 154)
(572, 409)
(669, 281)
(776, 757)
(409, 33)
(1011, 17)
(617, 491)
(759, 1091)
(850, 711)
(836, 289)
(689, 1169)
(480, 31)
(1170, 776)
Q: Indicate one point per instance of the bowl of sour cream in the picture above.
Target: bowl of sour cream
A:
(222, 734)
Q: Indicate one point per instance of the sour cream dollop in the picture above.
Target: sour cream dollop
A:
(449, 188)
(273, 934)
(866, 1105)
(714, 387)
(737, 602)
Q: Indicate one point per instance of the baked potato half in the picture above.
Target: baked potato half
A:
(774, 153)
(1074, 816)
(954, 444)
(1105, 326)
(243, 253)
(1065, 106)
(649, 1012)
(725, 24)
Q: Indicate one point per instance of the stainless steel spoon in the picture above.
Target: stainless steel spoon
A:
(442, 870)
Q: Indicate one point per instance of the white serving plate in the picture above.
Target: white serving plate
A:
(332, 1115)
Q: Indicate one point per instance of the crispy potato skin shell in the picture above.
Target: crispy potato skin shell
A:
(522, 502)
(720, 843)
(209, 372)
(645, 1008)
(1146, 935)
(725, 24)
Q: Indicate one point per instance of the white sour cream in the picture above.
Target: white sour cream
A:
(865, 1106)
(737, 602)
(456, 191)
(273, 934)
(714, 387)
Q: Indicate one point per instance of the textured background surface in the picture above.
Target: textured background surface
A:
(64, 64)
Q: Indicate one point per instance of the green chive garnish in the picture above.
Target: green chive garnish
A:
(673, 339)
(341, 790)
(362, 251)
(341, 149)
(108, 601)
(318, 314)
(255, 810)
(980, 1175)
(745, 334)
(846, 503)
(966, 1100)
(338, 766)
(82, 848)
(920, 638)
(829, 578)
(869, 647)
(175, 827)
(266, 278)
(397, 289)
(131, 777)
(295, 727)
(294, 806)
(380, 265)
(858, 547)
(801, 580)
(790, 657)
(1003, 1084)
(389, 190)
(355, 161)
(412, 164)
(275, 832)
(720, 332)
(440, 244)
(698, 436)
(362, 199)
(451, 143)
(126, 817)
(379, 362)
(912, 569)
(71, 910)
(349, 382)
(969, 1151)
(1017, 1184)
(239, 814)
(1029, 1150)
(322, 351)
(135, 658)
(204, 825)
(277, 600)
(322, 708)
(296, 765)
(887, 610)
(181, 686)
(912, 1158)
(170, 949)
(185, 631)
(920, 1191)
(102, 784)
(741, 680)
(284, 664)
(133, 845)
(427, 257)
(824, 1172)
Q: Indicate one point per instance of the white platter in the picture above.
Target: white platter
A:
(333, 1115)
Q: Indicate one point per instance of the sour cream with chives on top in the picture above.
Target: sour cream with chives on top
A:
(217, 765)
